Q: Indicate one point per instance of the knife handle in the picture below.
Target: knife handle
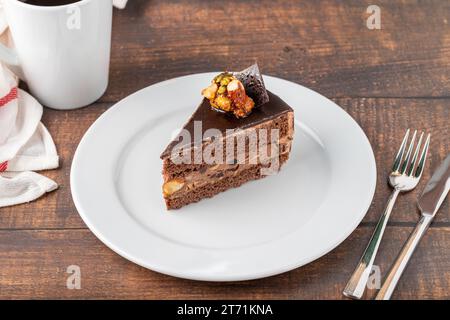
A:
(402, 260)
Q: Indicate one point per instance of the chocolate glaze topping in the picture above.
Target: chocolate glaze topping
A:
(216, 120)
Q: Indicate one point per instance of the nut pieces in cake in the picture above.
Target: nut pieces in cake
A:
(172, 186)
(227, 94)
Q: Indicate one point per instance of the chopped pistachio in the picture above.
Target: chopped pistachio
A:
(222, 89)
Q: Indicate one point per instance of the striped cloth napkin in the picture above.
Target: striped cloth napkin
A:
(25, 145)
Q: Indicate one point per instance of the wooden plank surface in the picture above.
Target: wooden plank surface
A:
(34, 264)
(387, 80)
(324, 45)
(383, 120)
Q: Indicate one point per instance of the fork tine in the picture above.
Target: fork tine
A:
(401, 151)
(408, 153)
(415, 157)
(423, 157)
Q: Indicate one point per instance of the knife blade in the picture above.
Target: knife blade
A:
(436, 190)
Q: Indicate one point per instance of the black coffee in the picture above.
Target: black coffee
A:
(49, 3)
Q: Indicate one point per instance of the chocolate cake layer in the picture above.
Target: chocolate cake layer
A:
(215, 187)
(172, 171)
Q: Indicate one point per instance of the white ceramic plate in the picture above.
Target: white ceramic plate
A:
(263, 228)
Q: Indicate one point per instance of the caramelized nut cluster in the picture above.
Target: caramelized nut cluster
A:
(227, 93)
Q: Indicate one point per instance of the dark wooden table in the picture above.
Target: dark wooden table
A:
(387, 80)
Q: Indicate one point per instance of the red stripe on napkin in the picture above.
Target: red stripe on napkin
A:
(9, 97)
(3, 166)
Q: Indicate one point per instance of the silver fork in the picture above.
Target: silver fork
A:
(405, 176)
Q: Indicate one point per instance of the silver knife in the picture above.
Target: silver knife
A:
(429, 202)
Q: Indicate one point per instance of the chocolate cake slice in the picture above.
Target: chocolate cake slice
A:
(219, 149)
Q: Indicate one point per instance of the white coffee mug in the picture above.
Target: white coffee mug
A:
(61, 52)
